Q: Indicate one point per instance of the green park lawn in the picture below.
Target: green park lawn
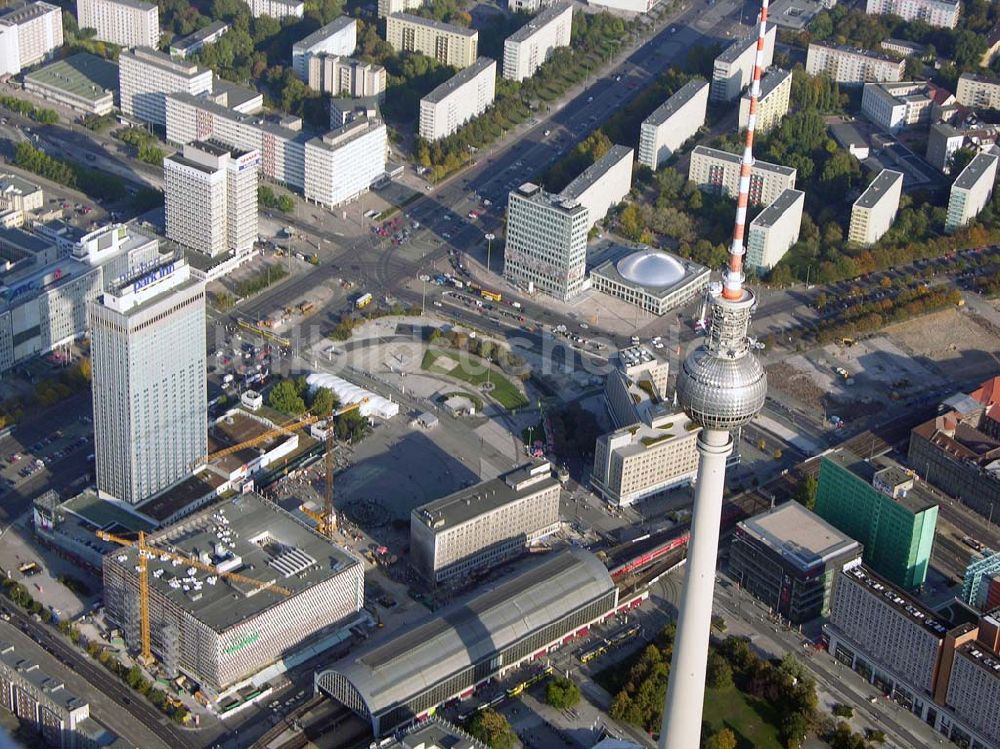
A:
(752, 720)
(504, 391)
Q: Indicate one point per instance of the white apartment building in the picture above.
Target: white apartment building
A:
(873, 213)
(146, 76)
(465, 95)
(898, 106)
(940, 13)
(603, 184)
(719, 172)
(388, 7)
(772, 106)
(276, 8)
(484, 524)
(524, 6)
(852, 66)
(971, 191)
(345, 76)
(338, 38)
(978, 91)
(631, 6)
(943, 141)
(19, 195)
(974, 691)
(10, 52)
(546, 246)
(210, 197)
(672, 123)
(127, 23)
(732, 71)
(526, 49)
(345, 162)
(643, 460)
(775, 229)
(448, 44)
(148, 382)
(39, 33)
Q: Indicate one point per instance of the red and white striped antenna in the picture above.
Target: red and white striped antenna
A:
(732, 279)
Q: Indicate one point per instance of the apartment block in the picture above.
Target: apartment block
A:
(775, 229)
(276, 8)
(971, 191)
(485, 524)
(192, 43)
(345, 76)
(388, 7)
(603, 184)
(898, 106)
(465, 95)
(345, 162)
(852, 66)
(39, 33)
(732, 71)
(529, 47)
(943, 140)
(127, 23)
(939, 13)
(347, 109)
(10, 54)
(978, 91)
(719, 172)
(524, 6)
(146, 76)
(448, 44)
(672, 123)
(338, 38)
(772, 106)
(546, 246)
(873, 213)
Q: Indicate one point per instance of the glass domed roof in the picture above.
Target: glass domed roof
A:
(650, 268)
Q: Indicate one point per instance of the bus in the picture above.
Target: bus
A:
(363, 301)
(493, 296)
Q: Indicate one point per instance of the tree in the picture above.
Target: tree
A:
(323, 402)
(562, 693)
(805, 493)
(719, 674)
(793, 730)
(724, 739)
(492, 729)
(285, 397)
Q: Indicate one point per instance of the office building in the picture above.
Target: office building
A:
(978, 91)
(338, 38)
(939, 13)
(774, 230)
(530, 46)
(603, 184)
(465, 95)
(672, 123)
(18, 195)
(851, 66)
(645, 459)
(484, 525)
(467, 644)
(221, 631)
(652, 280)
(188, 45)
(345, 76)
(546, 246)
(636, 387)
(885, 508)
(276, 8)
(210, 197)
(127, 23)
(971, 191)
(345, 162)
(788, 559)
(981, 581)
(148, 383)
(147, 76)
(898, 106)
(39, 34)
(388, 7)
(772, 106)
(82, 82)
(732, 71)
(718, 172)
(873, 213)
(448, 44)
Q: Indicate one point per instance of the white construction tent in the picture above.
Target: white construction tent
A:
(348, 393)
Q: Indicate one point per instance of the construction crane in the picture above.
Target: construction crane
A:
(145, 552)
(291, 426)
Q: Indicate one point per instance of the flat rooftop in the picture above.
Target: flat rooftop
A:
(236, 95)
(773, 213)
(346, 133)
(47, 687)
(735, 50)
(879, 188)
(200, 36)
(857, 51)
(251, 536)
(800, 536)
(734, 158)
(137, 4)
(13, 183)
(980, 164)
(665, 429)
(194, 488)
(103, 514)
(586, 179)
(435, 734)
(982, 656)
(917, 499)
(439, 25)
(253, 120)
(322, 34)
(908, 606)
(162, 60)
(24, 241)
(677, 100)
(178, 158)
(547, 15)
(460, 78)
(536, 194)
(771, 81)
(82, 75)
(981, 78)
(19, 13)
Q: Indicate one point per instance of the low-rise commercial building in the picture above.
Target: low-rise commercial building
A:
(788, 558)
(652, 280)
(971, 191)
(774, 230)
(465, 95)
(672, 123)
(83, 82)
(127, 23)
(851, 66)
(30, 33)
(732, 71)
(338, 38)
(345, 162)
(448, 44)
(276, 8)
(192, 43)
(773, 103)
(939, 13)
(484, 525)
(718, 172)
(345, 76)
(603, 184)
(898, 106)
(529, 47)
(147, 76)
(873, 213)
(978, 91)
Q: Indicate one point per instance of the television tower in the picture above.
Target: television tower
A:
(721, 386)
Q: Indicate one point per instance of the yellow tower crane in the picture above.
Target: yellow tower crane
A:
(145, 552)
(261, 438)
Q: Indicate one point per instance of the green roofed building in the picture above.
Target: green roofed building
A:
(882, 505)
(83, 82)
